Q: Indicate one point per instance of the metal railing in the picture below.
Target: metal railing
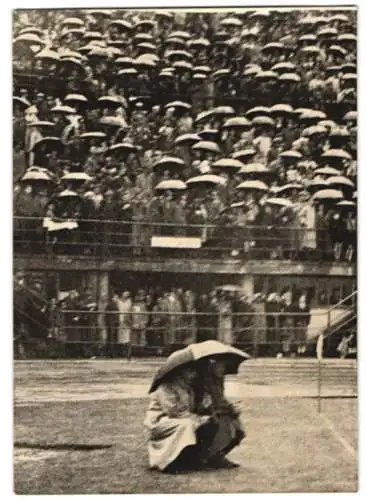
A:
(114, 239)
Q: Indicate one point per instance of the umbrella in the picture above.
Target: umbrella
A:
(22, 101)
(263, 120)
(293, 155)
(147, 23)
(290, 187)
(127, 71)
(48, 54)
(41, 124)
(308, 38)
(228, 163)
(187, 138)
(111, 102)
(147, 46)
(178, 104)
(257, 14)
(172, 185)
(195, 352)
(207, 179)
(283, 67)
(31, 176)
(310, 49)
(63, 110)
(337, 50)
(113, 121)
(67, 193)
(184, 65)
(317, 184)
(203, 116)
(238, 204)
(338, 154)
(270, 47)
(339, 132)
(244, 154)
(185, 35)
(49, 144)
(208, 146)
(31, 29)
(128, 61)
(231, 21)
(349, 77)
(339, 17)
(202, 69)
(346, 204)
(327, 171)
(328, 194)
(145, 60)
(73, 21)
(282, 109)
(341, 180)
(199, 43)
(168, 162)
(199, 76)
(255, 185)
(121, 24)
(313, 114)
(92, 35)
(325, 32)
(76, 98)
(347, 37)
(237, 122)
(289, 77)
(220, 73)
(29, 39)
(125, 147)
(350, 116)
(314, 130)
(93, 135)
(254, 168)
(258, 111)
(280, 202)
(208, 134)
(76, 176)
(223, 111)
(267, 75)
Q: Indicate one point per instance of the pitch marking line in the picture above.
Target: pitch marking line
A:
(350, 449)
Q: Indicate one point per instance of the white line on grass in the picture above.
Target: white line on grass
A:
(349, 448)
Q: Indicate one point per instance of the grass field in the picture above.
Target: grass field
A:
(289, 447)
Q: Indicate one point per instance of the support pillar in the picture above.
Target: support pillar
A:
(98, 287)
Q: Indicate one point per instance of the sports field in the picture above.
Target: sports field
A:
(78, 429)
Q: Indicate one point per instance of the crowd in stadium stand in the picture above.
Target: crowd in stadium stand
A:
(234, 120)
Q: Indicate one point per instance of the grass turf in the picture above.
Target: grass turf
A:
(288, 449)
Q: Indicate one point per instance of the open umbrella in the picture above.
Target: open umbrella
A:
(168, 162)
(244, 154)
(308, 38)
(327, 171)
(347, 38)
(310, 49)
(341, 181)
(283, 67)
(76, 99)
(208, 134)
(113, 121)
(282, 110)
(347, 204)
(289, 187)
(223, 111)
(72, 21)
(21, 101)
(110, 102)
(228, 164)
(255, 185)
(280, 202)
(291, 155)
(202, 69)
(208, 146)
(183, 65)
(122, 147)
(28, 40)
(337, 49)
(328, 194)
(63, 110)
(121, 24)
(195, 352)
(203, 116)
(314, 130)
(350, 116)
(313, 114)
(336, 154)
(266, 75)
(231, 22)
(76, 176)
(237, 122)
(178, 104)
(199, 43)
(68, 193)
(230, 288)
(48, 54)
(146, 47)
(187, 139)
(34, 176)
(263, 120)
(258, 111)
(49, 144)
(93, 135)
(206, 180)
(289, 77)
(171, 185)
(317, 184)
(185, 35)
(127, 71)
(254, 168)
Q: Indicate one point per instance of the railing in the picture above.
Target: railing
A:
(350, 312)
(101, 239)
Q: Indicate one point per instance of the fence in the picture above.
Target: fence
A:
(113, 239)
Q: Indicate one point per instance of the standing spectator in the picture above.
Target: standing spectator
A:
(124, 305)
(112, 325)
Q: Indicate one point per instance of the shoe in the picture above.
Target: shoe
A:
(221, 463)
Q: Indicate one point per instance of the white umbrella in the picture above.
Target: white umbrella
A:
(206, 179)
(171, 184)
(93, 135)
(209, 146)
(244, 153)
(337, 153)
(229, 163)
(341, 180)
(63, 110)
(328, 194)
(255, 185)
(280, 202)
(254, 168)
(76, 176)
(36, 176)
(327, 171)
(187, 138)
